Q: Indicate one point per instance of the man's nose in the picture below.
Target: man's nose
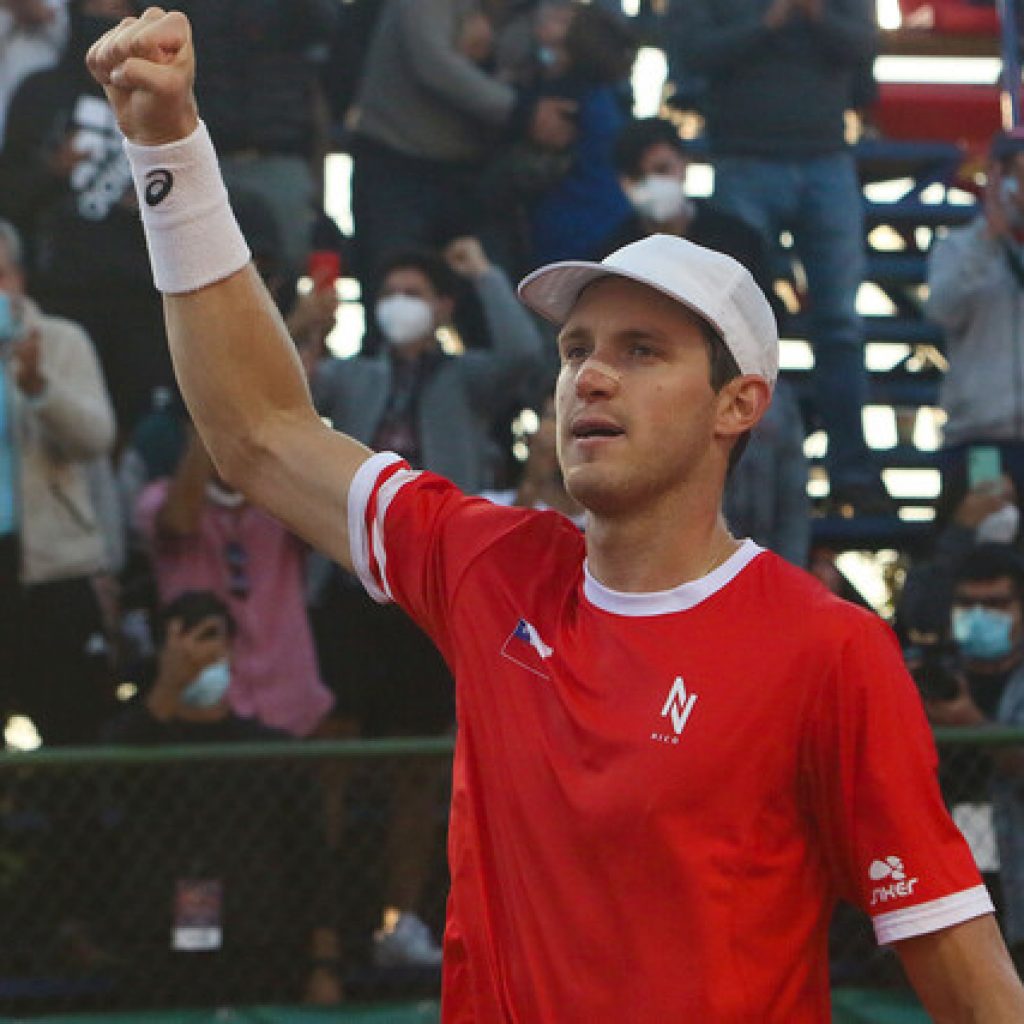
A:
(596, 378)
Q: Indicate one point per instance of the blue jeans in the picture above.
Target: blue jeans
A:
(817, 199)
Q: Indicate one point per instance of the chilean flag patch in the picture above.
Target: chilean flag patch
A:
(525, 647)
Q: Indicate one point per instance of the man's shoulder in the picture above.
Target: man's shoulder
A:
(794, 591)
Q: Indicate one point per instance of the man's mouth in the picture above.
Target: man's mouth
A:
(587, 428)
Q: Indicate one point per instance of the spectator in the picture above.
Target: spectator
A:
(588, 58)
(975, 286)
(965, 518)
(205, 536)
(183, 827)
(987, 686)
(652, 163)
(434, 407)
(387, 676)
(33, 34)
(258, 68)
(425, 119)
(779, 80)
(65, 183)
(55, 420)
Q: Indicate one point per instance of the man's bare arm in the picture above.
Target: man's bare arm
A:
(237, 367)
(241, 377)
(964, 974)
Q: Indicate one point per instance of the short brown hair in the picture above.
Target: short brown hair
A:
(724, 368)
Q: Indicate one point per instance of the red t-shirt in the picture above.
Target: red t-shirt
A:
(658, 798)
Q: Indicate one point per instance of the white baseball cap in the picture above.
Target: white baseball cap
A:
(714, 286)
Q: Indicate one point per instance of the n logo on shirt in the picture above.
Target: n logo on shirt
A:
(679, 705)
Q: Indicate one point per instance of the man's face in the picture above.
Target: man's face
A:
(636, 411)
(999, 596)
(663, 161)
(414, 283)
(12, 280)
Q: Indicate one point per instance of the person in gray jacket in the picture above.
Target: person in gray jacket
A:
(435, 408)
(425, 119)
(976, 293)
(55, 420)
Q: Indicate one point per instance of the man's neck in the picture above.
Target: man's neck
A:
(657, 549)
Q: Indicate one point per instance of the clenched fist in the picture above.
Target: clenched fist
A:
(147, 69)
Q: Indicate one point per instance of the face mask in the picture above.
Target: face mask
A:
(209, 687)
(999, 527)
(982, 633)
(660, 198)
(405, 318)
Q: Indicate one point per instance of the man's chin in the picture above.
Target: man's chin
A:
(596, 489)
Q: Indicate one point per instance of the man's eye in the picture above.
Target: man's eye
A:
(642, 350)
(574, 353)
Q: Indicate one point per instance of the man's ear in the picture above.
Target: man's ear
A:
(741, 404)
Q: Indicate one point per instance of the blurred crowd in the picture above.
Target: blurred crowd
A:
(486, 137)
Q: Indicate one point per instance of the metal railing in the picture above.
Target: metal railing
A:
(161, 877)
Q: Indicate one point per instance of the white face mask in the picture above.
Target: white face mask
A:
(208, 688)
(405, 318)
(999, 527)
(660, 198)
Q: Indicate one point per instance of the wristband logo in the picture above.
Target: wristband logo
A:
(158, 186)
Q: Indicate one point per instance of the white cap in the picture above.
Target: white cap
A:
(709, 283)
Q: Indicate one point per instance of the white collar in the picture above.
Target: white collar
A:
(666, 602)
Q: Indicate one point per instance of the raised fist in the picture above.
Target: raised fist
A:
(147, 69)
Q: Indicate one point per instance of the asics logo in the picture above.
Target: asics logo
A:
(158, 186)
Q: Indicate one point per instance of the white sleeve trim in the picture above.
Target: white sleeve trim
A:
(359, 493)
(932, 916)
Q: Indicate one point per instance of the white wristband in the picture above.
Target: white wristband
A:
(192, 235)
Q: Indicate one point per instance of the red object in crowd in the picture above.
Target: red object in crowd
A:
(950, 17)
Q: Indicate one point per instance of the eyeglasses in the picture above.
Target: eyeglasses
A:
(236, 558)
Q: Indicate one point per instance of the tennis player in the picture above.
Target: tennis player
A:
(675, 751)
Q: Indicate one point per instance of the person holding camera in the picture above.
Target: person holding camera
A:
(981, 682)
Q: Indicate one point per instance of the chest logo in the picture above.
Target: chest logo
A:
(678, 707)
(525, 647)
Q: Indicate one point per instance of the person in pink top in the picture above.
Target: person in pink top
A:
(205, 536)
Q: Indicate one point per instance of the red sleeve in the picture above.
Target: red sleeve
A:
(870, 776)
(413, 534)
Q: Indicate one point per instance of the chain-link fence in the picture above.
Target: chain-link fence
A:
(156, 878)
